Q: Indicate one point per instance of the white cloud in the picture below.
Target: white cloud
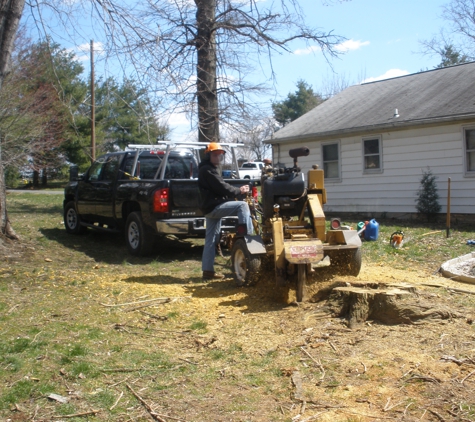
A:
(351, 45)
(309, 50)
(391, 73)
(83, 51)
(344, 47)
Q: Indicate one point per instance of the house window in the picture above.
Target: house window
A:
(470, 149)
(372, 155)
(331, 161)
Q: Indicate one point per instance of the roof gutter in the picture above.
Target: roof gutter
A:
(432, 121)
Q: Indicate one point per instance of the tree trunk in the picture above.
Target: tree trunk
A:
(6, 230)
(10, 14)
(208, 116)
(44, 177)
(388, 304)
(36, 179)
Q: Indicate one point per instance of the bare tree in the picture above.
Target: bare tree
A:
(195, 54)
(10, 14)
(252, 136)
(455, 43)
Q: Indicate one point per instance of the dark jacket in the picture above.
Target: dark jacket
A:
(213, 189)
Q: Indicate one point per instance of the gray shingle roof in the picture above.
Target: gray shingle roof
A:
(427, 97)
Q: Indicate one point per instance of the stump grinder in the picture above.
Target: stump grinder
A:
(291, 228)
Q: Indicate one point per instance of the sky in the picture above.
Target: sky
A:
(383, 40)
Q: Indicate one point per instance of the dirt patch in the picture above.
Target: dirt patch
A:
(214, 351)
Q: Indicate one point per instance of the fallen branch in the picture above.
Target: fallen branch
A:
(77, 415)
(387, 408)
(453, 289)
(468, 376)
(428, 379)
(157, 299)
(318, 363)
(117, 401)
(159, 317)
(449, 289)
(436, 414)
(146, 405)
(459, 362)
(188, 361)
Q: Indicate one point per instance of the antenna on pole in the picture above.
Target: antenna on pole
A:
(93, 111)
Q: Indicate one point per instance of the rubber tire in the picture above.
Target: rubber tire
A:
(354, 262)
(139, 240)
(245, 267)
(72, 221)
(301, 282)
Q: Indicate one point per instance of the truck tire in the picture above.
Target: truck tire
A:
(245, 267)
(72, 221)
(139, 240)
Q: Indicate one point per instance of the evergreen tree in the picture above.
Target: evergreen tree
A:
(450, 57)
(427, 201)
(297, 104)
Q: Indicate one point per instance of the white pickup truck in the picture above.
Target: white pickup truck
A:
(251, 170)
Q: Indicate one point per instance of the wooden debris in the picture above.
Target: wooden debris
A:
(58, 398)
(297, 382)
(317, 362)
(157, 299)
(146, 405)
(77, 415)
(468, 376)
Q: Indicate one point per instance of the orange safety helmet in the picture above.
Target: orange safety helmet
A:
(214, 146)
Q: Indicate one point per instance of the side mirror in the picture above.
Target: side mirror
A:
(73, 173)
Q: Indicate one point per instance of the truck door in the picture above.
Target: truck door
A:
(95, 195)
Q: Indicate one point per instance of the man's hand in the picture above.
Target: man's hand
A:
(244, 189)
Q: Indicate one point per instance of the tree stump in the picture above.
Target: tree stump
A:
(388, 304)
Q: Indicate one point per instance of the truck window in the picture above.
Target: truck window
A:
(177, 169)
(147, 166)
(95, 171)
(109, 169)
(248, 166)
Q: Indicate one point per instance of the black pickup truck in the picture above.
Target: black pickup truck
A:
(144, 192)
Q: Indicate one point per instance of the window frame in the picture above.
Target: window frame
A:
(323, 145)
(466, 151)
(378, 170)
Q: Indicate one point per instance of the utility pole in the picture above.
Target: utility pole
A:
(93, 111)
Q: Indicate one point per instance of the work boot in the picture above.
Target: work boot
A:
(211, 275)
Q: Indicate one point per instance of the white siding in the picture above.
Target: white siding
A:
(405, 155)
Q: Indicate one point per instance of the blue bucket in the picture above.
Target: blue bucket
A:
(372, 230)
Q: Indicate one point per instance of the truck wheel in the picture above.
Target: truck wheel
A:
(72, 221)
(139, 240)
(245, 266)
(301, 281)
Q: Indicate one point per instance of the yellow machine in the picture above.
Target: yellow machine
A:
(291, 226)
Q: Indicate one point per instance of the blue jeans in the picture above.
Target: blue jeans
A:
(213, 228)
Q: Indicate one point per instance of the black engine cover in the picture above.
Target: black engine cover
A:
(282, 190)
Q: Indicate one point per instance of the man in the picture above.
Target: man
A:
(217, 201)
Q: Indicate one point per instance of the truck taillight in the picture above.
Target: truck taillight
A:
(161, 200)
(254, 192)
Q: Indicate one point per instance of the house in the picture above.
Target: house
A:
(375, 140)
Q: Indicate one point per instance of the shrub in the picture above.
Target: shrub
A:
(427, 202)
